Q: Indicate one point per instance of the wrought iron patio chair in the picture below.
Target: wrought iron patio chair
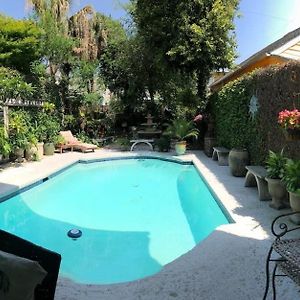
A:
(287, 252)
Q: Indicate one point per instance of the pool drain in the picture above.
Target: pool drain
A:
(74, 233)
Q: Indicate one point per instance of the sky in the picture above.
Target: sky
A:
(261, 22)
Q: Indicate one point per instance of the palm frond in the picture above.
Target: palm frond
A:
(182, 129)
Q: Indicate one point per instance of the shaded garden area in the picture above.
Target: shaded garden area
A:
(100, 77)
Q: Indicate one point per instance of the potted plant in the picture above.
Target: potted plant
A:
(19, 143)
(275, 164)
(59, 140)
(31, 147)
(181, 130)
(291, 177)
(18, 130)
(163, 144)
(51, 131)
(5, 147)
(47, 128)
(289, 120)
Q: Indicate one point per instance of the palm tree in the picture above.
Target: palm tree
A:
(86, 27)
(59, 8)
(61, 32)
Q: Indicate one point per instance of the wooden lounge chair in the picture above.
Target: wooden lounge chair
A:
(48, 260)
(75, 143)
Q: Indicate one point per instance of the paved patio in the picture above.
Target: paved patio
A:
(228, 265)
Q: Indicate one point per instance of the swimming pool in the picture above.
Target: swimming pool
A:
(136, 215)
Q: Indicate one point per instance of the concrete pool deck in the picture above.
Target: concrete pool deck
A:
(228, 265)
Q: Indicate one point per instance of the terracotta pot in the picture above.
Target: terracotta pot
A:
(238, 159)
(278, 192)
(180, 147)
(295, 206)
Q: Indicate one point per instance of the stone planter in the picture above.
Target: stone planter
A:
(238, 159)
(40, 150)
(30, 152)
(295, 205)
(278, 192)
(209, 143)
(180, 147)
(19, 153)
(49, 148)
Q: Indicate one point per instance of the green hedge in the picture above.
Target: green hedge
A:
(276, 88)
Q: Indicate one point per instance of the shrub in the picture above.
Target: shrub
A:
(5, 147)
(163, 144)
(276, 88)
(292, 176)
(181, 129)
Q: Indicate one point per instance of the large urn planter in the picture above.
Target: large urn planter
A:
(278, 192)
(209, 143)
(238, 159)
(180, 147)
(295, 206)
(49, 148)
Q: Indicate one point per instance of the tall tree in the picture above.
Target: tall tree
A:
(19, 43)
(194, 36)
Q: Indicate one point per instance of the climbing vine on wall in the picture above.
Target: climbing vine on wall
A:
(276, 88)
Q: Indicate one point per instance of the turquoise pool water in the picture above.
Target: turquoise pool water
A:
(136, 215)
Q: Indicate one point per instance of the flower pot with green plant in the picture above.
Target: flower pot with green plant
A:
(18, 130)
(289, 120)
(163, 143)
(47, 127)
(51, 132)
(19, 143)
(5, 147)
(180, 130)
(31, 148)
(291, 177)
(275, 164)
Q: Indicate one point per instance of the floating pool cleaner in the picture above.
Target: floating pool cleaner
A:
(74, 233)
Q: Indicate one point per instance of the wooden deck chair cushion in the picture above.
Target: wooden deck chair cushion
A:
(85, 146)
(69, 137)
(19, 277)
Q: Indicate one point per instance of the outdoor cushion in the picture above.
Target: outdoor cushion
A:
(19, 277)
(70, 139)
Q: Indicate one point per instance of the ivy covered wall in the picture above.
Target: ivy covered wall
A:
(275, 88)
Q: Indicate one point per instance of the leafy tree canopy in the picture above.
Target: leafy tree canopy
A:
(193, 36)
(12, 85)
(19, 43)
